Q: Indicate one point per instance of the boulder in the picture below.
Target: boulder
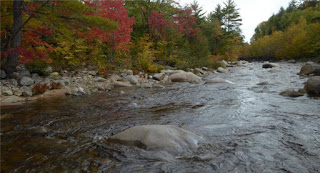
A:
(131, 79)
(6, 92)
(185, 77)
(270, 65)
(313, 86)
(158, 137)
(291, 93)
(25, 81)
(127, 72)
(27, 93)
(121, 84)
(13, 99)
(159, 76)
(310, 68)
(170, 72)
(222, 70)
(217, 80)
(25, 73)
(205, 68)
(224, 63)
(2, 74)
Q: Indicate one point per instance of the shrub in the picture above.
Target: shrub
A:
(38, 67)
(39, 89)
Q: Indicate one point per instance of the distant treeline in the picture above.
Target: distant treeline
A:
(292, 33)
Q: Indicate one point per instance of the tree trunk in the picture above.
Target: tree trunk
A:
(16, 33)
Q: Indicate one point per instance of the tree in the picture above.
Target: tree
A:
(231, 17)
(16, 33)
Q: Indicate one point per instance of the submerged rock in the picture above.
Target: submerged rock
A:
(270, 65)
(158, 137)
(313, 86)
(217, 80)
(185, 77)
(291, 93)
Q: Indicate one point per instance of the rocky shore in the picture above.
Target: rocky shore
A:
(26, 87)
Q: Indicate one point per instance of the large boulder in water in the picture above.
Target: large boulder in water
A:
(217, 80)
(270, 65)
(310, 68)
(291, 93)
(185, 77)
(158, 137)
(313, 85)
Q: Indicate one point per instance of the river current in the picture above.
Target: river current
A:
(245, 127)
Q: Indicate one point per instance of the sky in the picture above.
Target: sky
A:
(252, 12)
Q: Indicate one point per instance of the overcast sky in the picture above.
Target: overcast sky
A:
(252, 12)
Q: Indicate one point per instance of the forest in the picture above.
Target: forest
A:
(292, 33)
(147, 35)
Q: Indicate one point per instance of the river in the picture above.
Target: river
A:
(245, 127)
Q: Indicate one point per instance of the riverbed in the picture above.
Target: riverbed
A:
(245, 127)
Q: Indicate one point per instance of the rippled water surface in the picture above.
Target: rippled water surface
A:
(245, 127)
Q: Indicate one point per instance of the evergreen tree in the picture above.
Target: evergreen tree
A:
(231, 17)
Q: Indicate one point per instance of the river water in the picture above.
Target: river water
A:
(245, 127)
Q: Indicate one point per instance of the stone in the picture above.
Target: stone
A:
(40, 130)
(292, 61)
(270, 65)
(127, 72)
(170, 72)
(312, 86)
(115, 77)
(34, 75)
(3, 74)
(222, 70)
(205, 68)
(25, 81)
(145, 85)
(81, 90)
(158, 137)
(185, 77)
(159, 76)
(121, 84)
(100, 79)
(55, 75)
(291, 93)
(27, 93)
(99, 88)
(25, 73)
(48, 70)
(6, 92)
(310, 68)
(217, 80)
(92, 73)
(131, 79)
(17, 92)
(224, 63)
(13, 99)
(199, 71)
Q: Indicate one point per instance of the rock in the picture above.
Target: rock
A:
(6, 92)
(158, 137)
(291, 61)
(263, 83)
(99, 88)
(185, 77)
(27, 93)
(26, 81)
(145, 85)
(159, 76)
(312, 86)
(92, 73)
(13, 99)
(25, 73)
(131, 79)
(310, 68)
(270, 65)
(15, 75)
(224, 63)
(115, 77)
(39, 130)
(48, 70)
(205, 68)
(199, 71)
(55, 75)
(217, 80)
(291, 93)
(34, 75)
(222, 70)
(81, 90)
(170, 72)
(2, 74)
(121, 84)
(17, 92)
(127, 72)
(100, 79)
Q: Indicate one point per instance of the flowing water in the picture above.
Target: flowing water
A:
(245, 127)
